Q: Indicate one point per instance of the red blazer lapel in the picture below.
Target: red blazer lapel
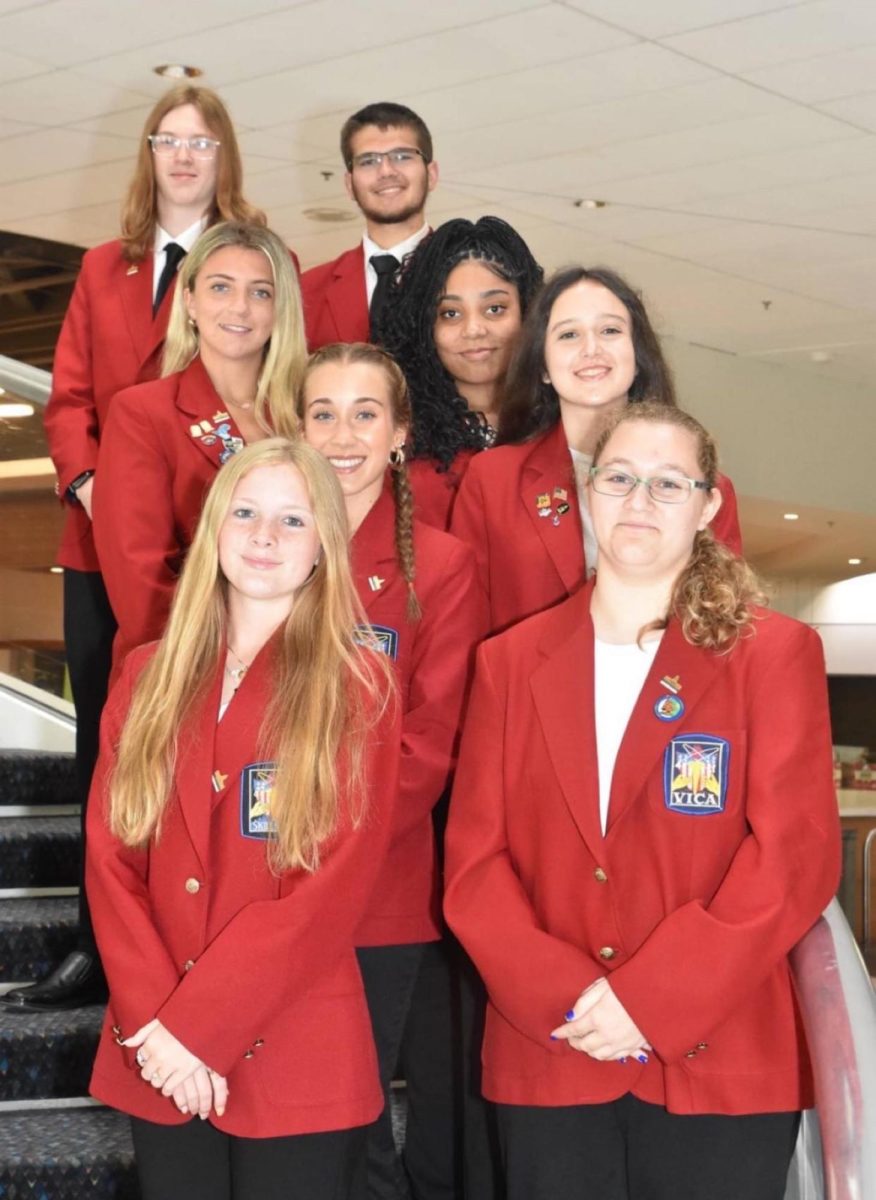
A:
(194, 770)
(135, 289)
(347, 297)
(203, 416)
(562, 689)
(550, 497)
(689, 673)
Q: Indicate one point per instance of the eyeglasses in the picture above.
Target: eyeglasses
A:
(667, 489)
(373, 160)
(198, 147)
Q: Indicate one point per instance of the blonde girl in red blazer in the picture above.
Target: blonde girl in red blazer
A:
(234, 353)
(587, 349)
(240, 814)
(419, 588)
(642, 827)
(188, 175)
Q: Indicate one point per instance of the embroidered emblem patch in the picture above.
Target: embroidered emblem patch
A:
(669, 708)
(378, 637)
(256, 794)
(695, 773)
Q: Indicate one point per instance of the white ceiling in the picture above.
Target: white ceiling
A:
(734, 140)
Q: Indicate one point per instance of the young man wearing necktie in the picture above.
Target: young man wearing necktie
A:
(188, 175)
(387, 150)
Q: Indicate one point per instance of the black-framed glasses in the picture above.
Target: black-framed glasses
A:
(667, 489)
(372, 160)
(169, 143)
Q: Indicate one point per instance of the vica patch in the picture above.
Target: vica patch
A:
(256, 797)
(378, 637)
(695, 774)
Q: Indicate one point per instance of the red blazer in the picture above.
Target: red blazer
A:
(528, 562)
(160, 452)
(433, 659)
(336, 301)
(690, 902)
(109, 341)
(254, 972)
(435, 490)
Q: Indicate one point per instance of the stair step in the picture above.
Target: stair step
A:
(47, 1055)
(71, 1154)
(39, 852)
(37, 777)
(35, 935)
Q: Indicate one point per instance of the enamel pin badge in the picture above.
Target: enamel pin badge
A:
(671, 707)
(543, 504)
(375, 582)
(378, 637)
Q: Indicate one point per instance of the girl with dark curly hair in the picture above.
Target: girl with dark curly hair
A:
(452, 323)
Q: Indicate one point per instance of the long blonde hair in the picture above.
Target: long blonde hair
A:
(340, 354)
(286, 349)
(716, 592)
(326, 687)
(140, 208)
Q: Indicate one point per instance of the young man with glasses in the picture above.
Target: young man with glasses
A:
(188, 175)
(387, 150)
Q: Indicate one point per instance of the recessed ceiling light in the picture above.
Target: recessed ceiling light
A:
(177, 71)
(2, 391)
(590, 203)
(16, 410)
(821, 356)
(56, 570)
(855, 562)
(792, 516)
(329, 216)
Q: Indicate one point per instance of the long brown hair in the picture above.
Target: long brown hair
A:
(715, 595)
(531, 405)
(326, 687)
(342, 353)
(140, 208)
(286, 350)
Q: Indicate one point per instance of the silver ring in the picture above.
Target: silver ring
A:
(141, 1058)
(156, 1077)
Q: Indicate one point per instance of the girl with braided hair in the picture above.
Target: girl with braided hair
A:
(451, 323)
(419, 589)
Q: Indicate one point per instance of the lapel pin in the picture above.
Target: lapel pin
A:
(133, 269)
(669, 708)
(672, 683)
(219, 416)
(543, 504)
(375, 582)
(562, 509)
(560, 493)
(219, 781)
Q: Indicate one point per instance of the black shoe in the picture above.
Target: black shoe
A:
(78, 981)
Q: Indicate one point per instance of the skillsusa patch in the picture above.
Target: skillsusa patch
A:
(256, 795)
(378, 637)
(695, 771)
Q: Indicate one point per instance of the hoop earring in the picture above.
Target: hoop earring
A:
(397, 458)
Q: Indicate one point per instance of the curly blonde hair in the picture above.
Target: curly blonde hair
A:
(715, 595)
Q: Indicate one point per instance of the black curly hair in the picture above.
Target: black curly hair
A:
(531, 405)
(443, 423)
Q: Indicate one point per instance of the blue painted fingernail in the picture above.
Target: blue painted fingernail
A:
(554, 1037)
(570, 1015)
(622, 1061)
(643, 1058)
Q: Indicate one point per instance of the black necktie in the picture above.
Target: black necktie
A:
(386, 266)
(175, 254)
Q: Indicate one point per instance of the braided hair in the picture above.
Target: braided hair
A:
(342, 354)
(443, 423)
(531, 405)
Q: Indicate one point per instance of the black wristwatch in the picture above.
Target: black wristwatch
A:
(73, 488)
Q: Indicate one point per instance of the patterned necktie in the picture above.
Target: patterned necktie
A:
(386, 266)
(174, 256)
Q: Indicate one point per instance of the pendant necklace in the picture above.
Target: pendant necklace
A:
(236, 674)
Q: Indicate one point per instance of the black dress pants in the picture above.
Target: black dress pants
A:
(89, 629)
(629, 1150)
(196, 1161)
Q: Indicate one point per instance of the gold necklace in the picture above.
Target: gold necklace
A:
(236, 674)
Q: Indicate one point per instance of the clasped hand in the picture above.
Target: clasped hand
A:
(601, 1026)
(167, 1065)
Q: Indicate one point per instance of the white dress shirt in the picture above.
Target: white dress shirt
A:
(619, 671)
(370, 248)
(186, 240)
